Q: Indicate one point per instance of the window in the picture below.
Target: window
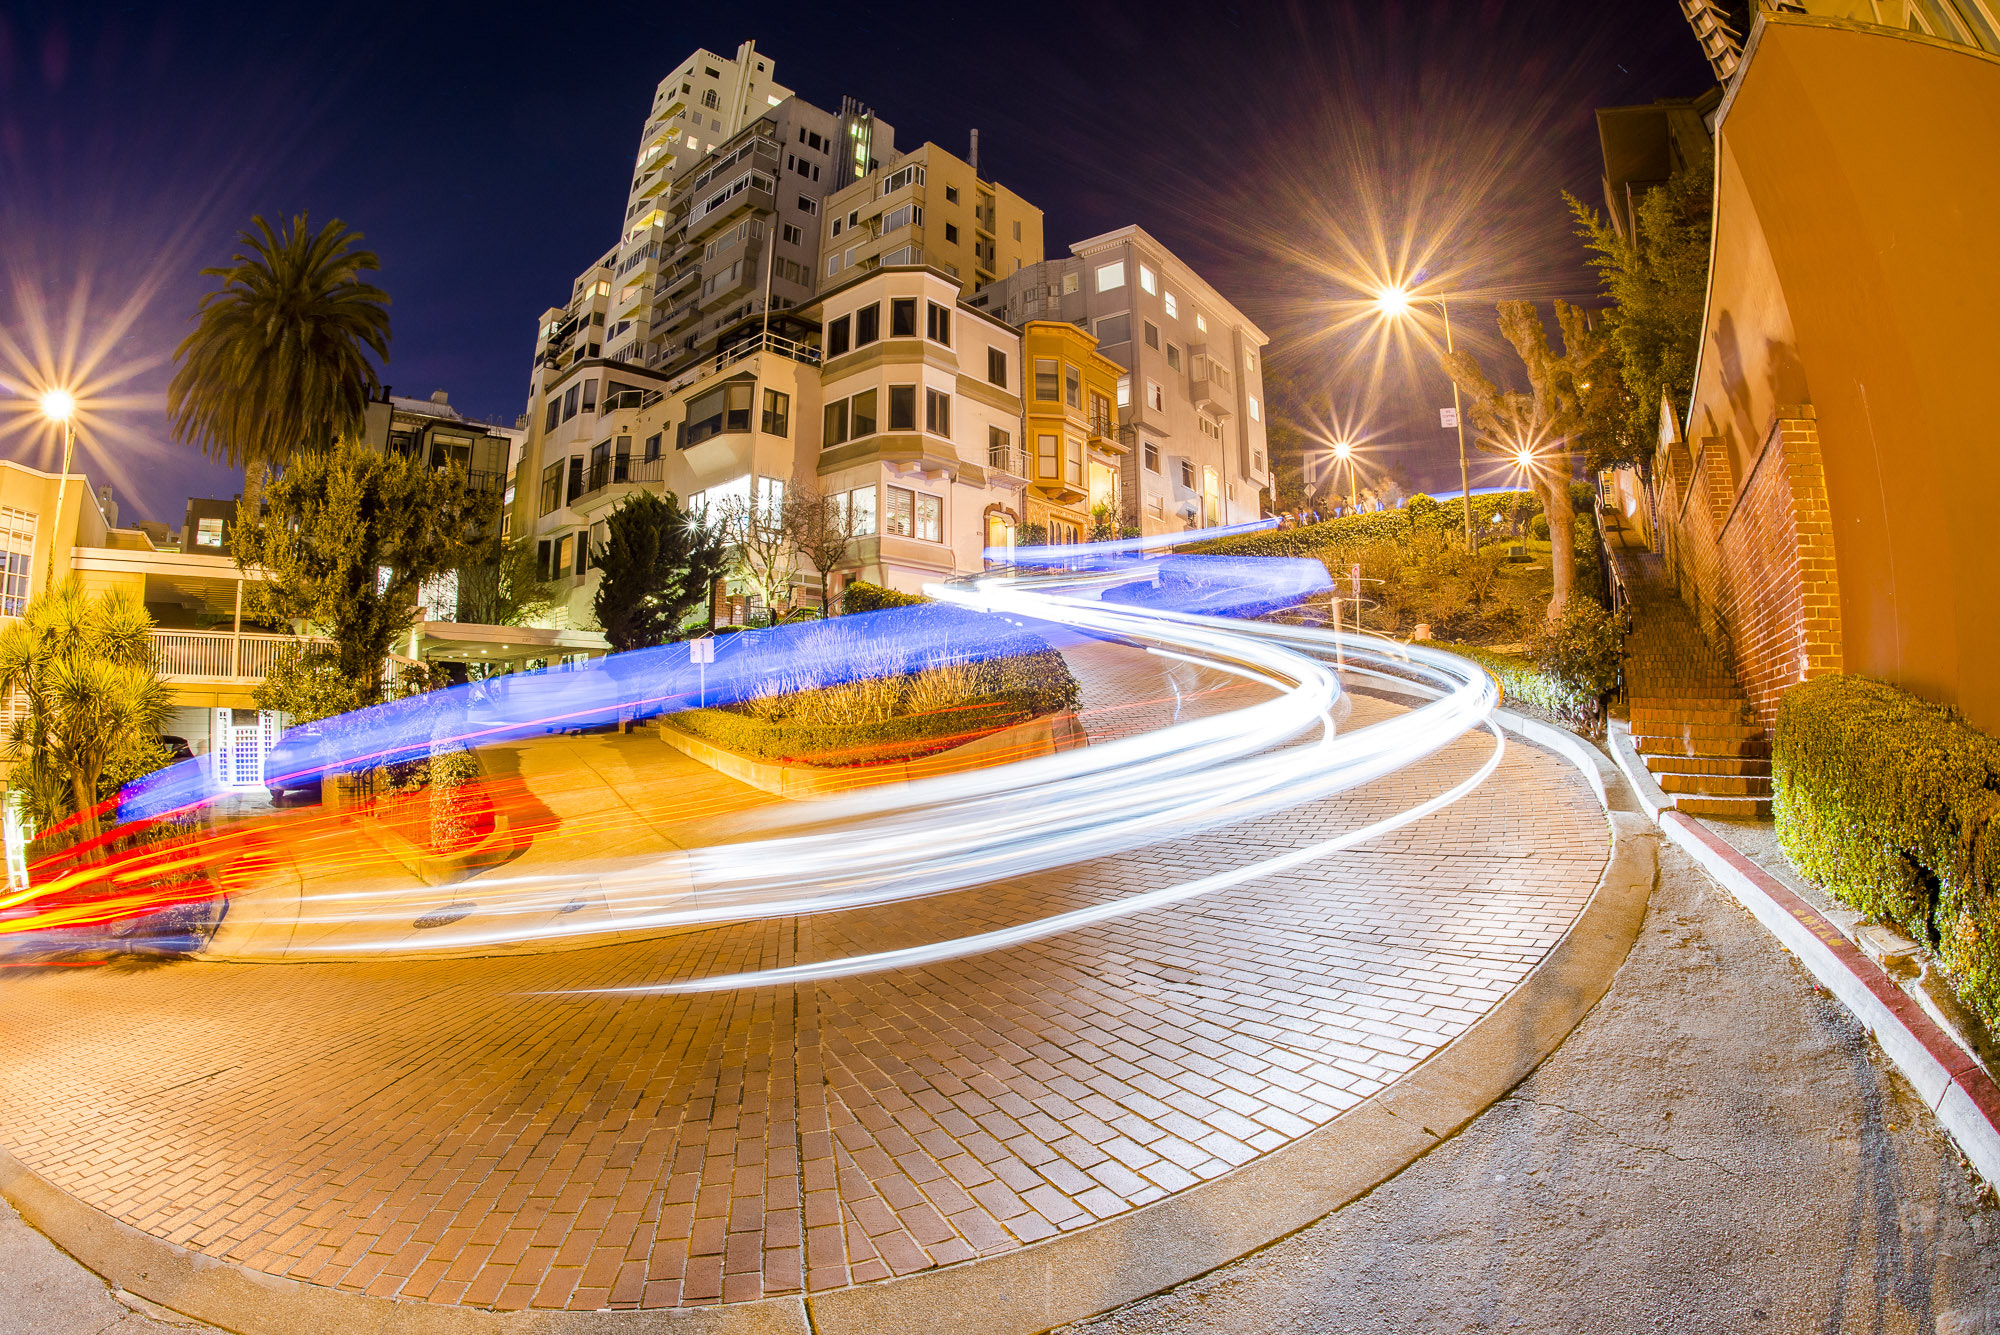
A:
(903, 317)
(904, 215)
(792, 234)
(861, 414)
(902, 512)
(836, 227)
(930, 517)
(207, 533)
(1152, 455)
(555, 415)
(1173, 307)
(736, 415)
(1100, 414)
(1256, 461)
(569, 401)
(937, 412)
(832, 265)
(902, 407)
(1147, 283)
(1017, 237)
(1069, 282)
(1045, 378)
(1187, 475)
(1073, 461)
(1254, 411)
(1047, 463)
(896, 180)
(1124, 391)
(724, 408)
(999, 450)
(1201, 322)
(1156, 398)
(575, 487)
(1159, 507)
(565, 547)
(1211, 429)
(653, 446)
(543, 550)
(590, 396)
(951, 194)
(1110, 276)
(1114, 329)
(835, 429)
(951, 234)
(837, 334)
(708, 97)
(770, 500)
(1173, 357)
(867, 325)
(551, 488)
(996, 367)
(808, 205)
(1072, 386)
(860, 508)
(1152, 336)
(777, 413)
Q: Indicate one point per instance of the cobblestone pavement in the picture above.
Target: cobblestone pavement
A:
(471, 1131)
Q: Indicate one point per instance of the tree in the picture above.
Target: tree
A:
(506, 587)
(347, 539)
(277, 361)
(761, 550)
(1658, 284)
(657, 564)
(85, 665)
(1542, 424)
(822, 527)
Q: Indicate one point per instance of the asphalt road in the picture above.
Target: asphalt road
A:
(1717, 1148)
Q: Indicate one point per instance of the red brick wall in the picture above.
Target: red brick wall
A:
(1755, 565)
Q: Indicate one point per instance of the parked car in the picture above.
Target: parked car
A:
(296, 763)
(177, 749)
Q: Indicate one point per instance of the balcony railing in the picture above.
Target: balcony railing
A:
(629, 398)
(1007, 459)
(749, 347)
(219, 654)
(623, 468)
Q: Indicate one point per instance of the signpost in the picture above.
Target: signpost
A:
(701, 654)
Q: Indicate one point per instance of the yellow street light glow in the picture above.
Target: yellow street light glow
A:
(1393, 300)
(1343, 450)
(58, 404)
(1525, 458)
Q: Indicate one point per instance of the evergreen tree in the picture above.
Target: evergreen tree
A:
(657, 564)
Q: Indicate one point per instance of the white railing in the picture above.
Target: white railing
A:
(212, 653)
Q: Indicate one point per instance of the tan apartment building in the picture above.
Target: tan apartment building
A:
(1190, 404)
(929, 207)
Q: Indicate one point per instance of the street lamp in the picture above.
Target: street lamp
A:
(59, 405)
(1343, 452)
(1395, 301)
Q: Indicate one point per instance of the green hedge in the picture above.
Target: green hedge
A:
(861, 596)
(880, 743)
(1893, 804)
(1521, 682)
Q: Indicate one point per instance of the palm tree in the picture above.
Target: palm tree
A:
(276, 363)
(94, 701)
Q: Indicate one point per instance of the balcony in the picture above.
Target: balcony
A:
(749, 347)
(623, 469)
(1211, 386)
(629, 398)
(1007, 459)
(219, 655)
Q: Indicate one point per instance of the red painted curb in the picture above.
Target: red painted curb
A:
(1958, 1065)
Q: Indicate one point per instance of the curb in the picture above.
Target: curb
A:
(1952, 1083)
(1035, 1288)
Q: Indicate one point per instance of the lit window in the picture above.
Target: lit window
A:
(902, 512)
(1047, 462)
(1152, 455)
(1069, 283)
(1045, 378)
(1110, 276)
(930, 517)
(1124, 391)
(861, 511)
(1147, 282)
(208, 532)
(937, 412)
(1254, 412)
(1156, 398)
(1173, 307)
(1201, 322)
(1072, 386)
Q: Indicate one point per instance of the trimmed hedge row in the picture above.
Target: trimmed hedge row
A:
(1893, 804)
(857, 744)
(861, 596)
(1521, 681)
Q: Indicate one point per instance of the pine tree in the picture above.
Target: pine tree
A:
(657, 564)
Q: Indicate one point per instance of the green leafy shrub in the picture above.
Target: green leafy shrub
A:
(1538, 528)
(861, 596)
(1522, 682)
(879, 742)
(1582, 649)
(1893, 804)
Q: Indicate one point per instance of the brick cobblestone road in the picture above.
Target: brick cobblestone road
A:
(473, 1131)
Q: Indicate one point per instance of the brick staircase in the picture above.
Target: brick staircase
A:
(1690, 721)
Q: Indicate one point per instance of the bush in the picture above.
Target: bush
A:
(861, 596)
(1309, 539)
(1538, 528)
(1583, 649)
(1893, 804)
(1522, 682)
(878, 742)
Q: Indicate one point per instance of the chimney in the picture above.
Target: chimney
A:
(440, 398)
(108, 506)
(974, 164)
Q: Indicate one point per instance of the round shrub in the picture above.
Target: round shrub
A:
(1538, 527)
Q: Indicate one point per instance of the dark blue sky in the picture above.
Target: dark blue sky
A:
(485, 154)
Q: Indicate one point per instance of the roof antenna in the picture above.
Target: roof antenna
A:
(974, 164)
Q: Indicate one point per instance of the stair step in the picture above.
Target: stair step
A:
(1718, 731)
(1645, 714)
(1661, 764)
(1717, 785)
(1748, 748)
(1737, 808)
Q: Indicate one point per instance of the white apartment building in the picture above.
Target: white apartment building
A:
(1190, 405)
(929, 207)
(899, 409)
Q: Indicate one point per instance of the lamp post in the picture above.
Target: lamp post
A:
(1343, 452)
(59, 405)
(1394, 301)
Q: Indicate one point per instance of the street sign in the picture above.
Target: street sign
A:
(1447, 418)
(703, 649)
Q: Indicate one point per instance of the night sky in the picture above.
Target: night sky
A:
(1280, 149)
